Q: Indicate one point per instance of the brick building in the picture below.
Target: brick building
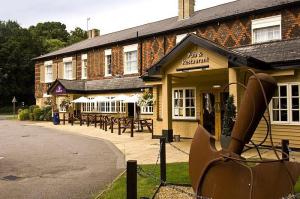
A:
(185, 61)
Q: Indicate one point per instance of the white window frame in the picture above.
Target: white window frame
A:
(184, 117)
(48, 77)
(107, 53)
(130, 49)
(67, 61)
(289, 105)
(267, 22)
(147, 110)
(84, 66)
(104, 107)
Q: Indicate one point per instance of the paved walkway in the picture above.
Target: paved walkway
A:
(38, 162)
(142, 148)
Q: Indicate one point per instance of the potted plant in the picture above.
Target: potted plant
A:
(228, 122)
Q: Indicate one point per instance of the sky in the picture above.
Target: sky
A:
(105, 15)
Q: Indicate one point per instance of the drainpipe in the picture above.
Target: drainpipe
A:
(140, 53)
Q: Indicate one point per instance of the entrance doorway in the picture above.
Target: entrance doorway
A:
(224, 97)
(131, 109)
(208, 106)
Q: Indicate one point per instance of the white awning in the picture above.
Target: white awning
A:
(100, 99)
(132, 99)
(121, 98)
(81, 100)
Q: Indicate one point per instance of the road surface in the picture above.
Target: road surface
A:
(38, 163)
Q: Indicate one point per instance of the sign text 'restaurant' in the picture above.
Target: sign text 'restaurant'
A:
(195, 58)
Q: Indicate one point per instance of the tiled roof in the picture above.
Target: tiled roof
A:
(202, 16)
(280, 51)
(115, 84)
(74, 85)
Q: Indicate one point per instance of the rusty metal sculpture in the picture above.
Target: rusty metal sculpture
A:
(226, 174)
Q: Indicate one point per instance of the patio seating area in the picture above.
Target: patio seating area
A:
(115, 124)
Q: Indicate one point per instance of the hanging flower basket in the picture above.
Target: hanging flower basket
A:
(146, 99)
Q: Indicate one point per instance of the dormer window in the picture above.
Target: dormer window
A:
(266, 29)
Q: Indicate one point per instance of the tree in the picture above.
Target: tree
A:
(17, 48)
(50, 35)
(77, 35)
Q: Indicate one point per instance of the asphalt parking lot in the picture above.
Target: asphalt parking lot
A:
(37, 163)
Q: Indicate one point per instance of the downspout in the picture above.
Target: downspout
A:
(140, 53)
(57, 65)
(76, 66)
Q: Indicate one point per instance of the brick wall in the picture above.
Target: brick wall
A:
(230, 33)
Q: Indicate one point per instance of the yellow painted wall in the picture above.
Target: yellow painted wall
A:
(216, 61)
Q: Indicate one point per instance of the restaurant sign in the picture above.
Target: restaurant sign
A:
(59, 90)
(194, 58)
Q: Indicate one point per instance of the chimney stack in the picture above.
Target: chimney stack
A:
(186, 9)
(93, 33)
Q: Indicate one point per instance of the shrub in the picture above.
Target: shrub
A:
(24, 115)
(37, 113)
(6, 109)
(48, 116)
(31, 118)
(32, 107)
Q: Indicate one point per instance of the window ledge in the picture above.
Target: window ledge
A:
(186, 120)
(146, 114)
(133, 73)
(285, 124)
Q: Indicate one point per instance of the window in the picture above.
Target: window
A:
(147, 109)
(84, 66)
(130, 59)
(121, 107)
(266, 29)
(48, 73)
(68, 68)
(285, 107)
(88, 107)
(184, 103)
(111, 106)
(108, 65)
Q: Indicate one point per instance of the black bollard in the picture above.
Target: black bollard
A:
(131, 179)
(285, 149)
(119, 126)
(163, 171)
(131, 127)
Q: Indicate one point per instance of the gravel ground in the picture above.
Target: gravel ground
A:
(168, 192)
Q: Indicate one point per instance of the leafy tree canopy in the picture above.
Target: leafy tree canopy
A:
(77, 35)
(18, 46)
